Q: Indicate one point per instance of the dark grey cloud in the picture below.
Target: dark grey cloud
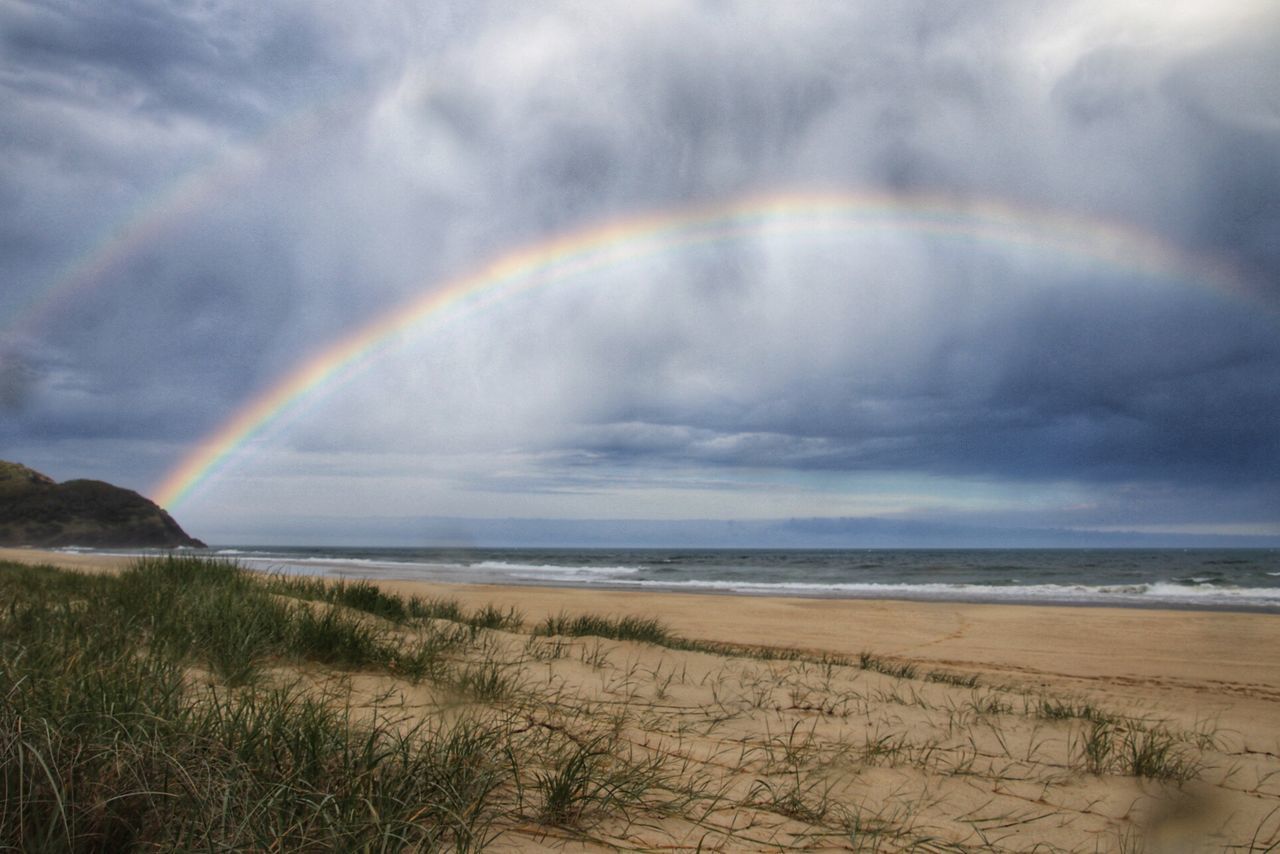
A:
(220, 63)
(1096, 378)
(330, 164)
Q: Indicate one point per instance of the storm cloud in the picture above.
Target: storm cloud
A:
(197, 198)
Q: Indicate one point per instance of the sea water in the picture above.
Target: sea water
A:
(1236, 579)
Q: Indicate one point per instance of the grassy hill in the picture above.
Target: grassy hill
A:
(37, 511)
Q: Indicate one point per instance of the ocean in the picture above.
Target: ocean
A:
(1235, 579)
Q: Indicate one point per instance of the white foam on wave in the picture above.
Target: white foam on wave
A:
(436, 570)
(541, 570)
(1152, 593)
(338, 563)
(1159, 592)
(1263, 595)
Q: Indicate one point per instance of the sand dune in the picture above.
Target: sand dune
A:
(882, 725)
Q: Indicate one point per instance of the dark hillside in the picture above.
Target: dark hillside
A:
(36, 511)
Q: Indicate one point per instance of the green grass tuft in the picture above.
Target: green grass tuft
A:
(1053, 709)
(493, 617)
(946, 677)
(331, 636)
(642, 629)
(896, 669)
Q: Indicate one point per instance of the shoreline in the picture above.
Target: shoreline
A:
(658, 589)
(362, 569)
(625, 587)
(1210, 648)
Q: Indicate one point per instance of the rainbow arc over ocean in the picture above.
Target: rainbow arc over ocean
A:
(598, 247)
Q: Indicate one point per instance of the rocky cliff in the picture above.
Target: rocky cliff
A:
(36, 511)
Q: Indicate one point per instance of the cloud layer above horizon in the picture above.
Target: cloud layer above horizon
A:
(197, 198)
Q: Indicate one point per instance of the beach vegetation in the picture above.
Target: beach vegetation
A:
(896, 669)
(798, 796)
(493, 617)
(573, 783)
(187, 704)
(947, 677)
(436, 608)
(629, 628)
(1155, 754)
(107, 743)
(484, 682)
(1097, 746)
(1063, 709)
(365, 596)
(335, 637)
(1136, 750)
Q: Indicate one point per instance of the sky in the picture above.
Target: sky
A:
(1082, 346)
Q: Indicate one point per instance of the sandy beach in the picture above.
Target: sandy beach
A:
(1204, 662)
(966, 755)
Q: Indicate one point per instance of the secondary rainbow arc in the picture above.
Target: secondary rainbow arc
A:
(158, 213)
(599, 246)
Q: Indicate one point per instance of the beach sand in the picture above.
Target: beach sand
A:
(962, 752)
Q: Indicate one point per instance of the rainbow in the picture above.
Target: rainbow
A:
(150, 221)
(601, 246)
(161, 212)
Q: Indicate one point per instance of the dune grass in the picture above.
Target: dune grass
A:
(642, 629)
(109, 740)
(106, 743)
(186, 704)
